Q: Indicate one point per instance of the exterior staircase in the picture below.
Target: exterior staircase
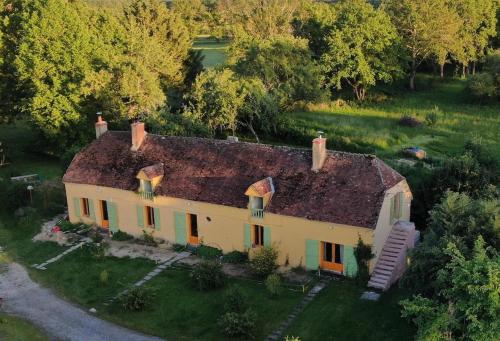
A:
(391, 263)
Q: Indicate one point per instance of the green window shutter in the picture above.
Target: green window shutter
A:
(76, 205)
(91, 209)
(157, 218)
(391, 214)
(247, 241)
(180, 228)
(267, 236)
(140, 216)
(112, 216)
(312, 254)
(400, 195)
(350, 264)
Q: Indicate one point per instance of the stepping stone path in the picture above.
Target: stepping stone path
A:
(155, 272)
(278, 333)
(43, 266)
(370, 296)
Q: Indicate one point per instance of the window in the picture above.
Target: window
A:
(256, 203)
(258, 235)
(332, 253)
(396, 206)
(150, 216)
(85, 206)
(193, 219)
(146, 186)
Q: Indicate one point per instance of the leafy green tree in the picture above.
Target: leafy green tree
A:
(361, 48)
(486, 85)
(284, 65)
(215, 100)
(467, 305)
(420, 25)
(194, 14)
(448, 43)
(478, 27)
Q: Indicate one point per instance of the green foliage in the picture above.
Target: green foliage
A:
(486, 85)
(468, 300)
(284, 65)
(164, 122)
(104, 277)
(122, 236)
(215, 100)
(238, 319)
(66, 225)
(263, 261)
(408, 120)
(13, 194)
(208, 275)
(97, 250)
(235, 257)
(431, 118)
(363, 254)
(178, 247)
(361, 49)
(208, 252)
(273, 284)
(96, 237)
(137, 298)
(148, 238)
(292, 338)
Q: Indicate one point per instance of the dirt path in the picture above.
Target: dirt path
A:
(59, 319)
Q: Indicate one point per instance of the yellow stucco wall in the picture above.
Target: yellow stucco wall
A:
(225, 226)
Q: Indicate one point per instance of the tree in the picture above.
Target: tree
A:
(361, 48)
(478, 27)
(194, 14)
(284, 65)
(215, 100)
(448, 42)
(420, 26)
(486, 85)
(468, 301)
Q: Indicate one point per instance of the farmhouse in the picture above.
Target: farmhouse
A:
(313, 205)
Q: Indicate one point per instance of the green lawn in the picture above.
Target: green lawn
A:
(15, 329)
(213, 50)
(337, 313)
(373, 127)
(182, 313)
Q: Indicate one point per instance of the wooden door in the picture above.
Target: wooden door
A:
(104, 214)
(331, 257)
(193, 229)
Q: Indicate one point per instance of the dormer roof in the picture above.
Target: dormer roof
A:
(261, 188)
(153, 171)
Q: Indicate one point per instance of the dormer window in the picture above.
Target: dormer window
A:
(259, 195)
(149, 177)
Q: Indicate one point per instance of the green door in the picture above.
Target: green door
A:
(350, 264)
(180, 227)
(247, 237)
(113, 216)
(312, 254)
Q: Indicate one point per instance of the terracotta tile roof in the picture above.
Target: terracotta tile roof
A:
(349, 189)
(154, 170)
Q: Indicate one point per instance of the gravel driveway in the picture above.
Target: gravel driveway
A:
(59, 319)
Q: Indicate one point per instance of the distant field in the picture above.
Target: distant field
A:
(373, 127)
(213, 50)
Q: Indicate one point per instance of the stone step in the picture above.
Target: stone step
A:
(376, 285)
(381, 271)
(384, 267)
(394, 246)
(379, 280)
(393, 240)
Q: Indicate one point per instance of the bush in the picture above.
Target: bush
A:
(104, 277)
(235, 257)
(208, 275)
(65, 225)
(208, 252)
(264, 261)
(238, 319)
(13, 194)
(363, 254)
(292, 338)
(137, 298)
(122, 236)
(409, 121)
(98, 250)
(273, 284)
(148, 238)
(178, 247)
(234, 324)
(96, 237)
(432, 117)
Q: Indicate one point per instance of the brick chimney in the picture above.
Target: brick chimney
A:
(138, 135)
(101, 126)
(318, 152)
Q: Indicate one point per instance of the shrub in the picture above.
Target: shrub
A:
(264, 261)
(235, 257)
(13, 194)
(148, 238)
(363, 254)
(238, 319)
(178, 247)
(273, 284)
(409, 121)
(235, 301)
(98, 250)
(96, 237)
(234, 324)
(104, 277)
(432, 117)
(292, 338)
(208, 275)
(137, 298)
(65, 225)
(122, 236)
(208, 252)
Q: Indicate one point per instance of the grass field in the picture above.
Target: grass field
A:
(213, 50)
(373, 128)
(15, 329)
